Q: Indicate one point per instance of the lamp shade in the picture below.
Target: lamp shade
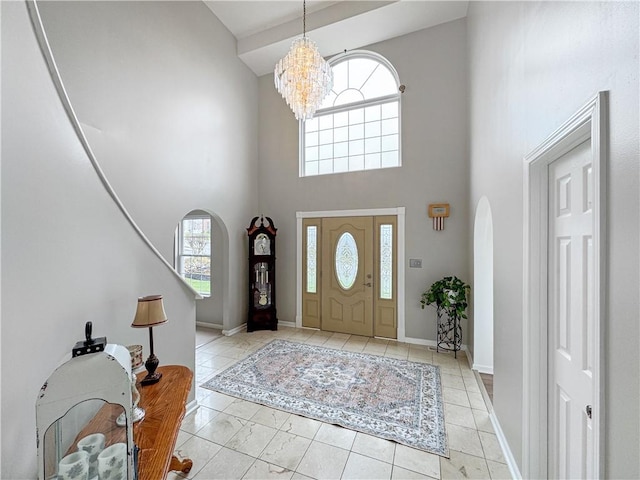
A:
(150, 312)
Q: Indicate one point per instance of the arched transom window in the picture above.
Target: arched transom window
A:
(358, 125)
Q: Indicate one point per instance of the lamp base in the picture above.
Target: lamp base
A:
(137, 415)
(151, 378)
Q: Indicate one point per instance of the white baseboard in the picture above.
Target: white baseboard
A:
(482, 368)
(429, 343)
(213, 326)
(502, 440)
(191, 407)
(415, 341)
(420, 341)
(469, 358)
(233, 331)
(239, 328)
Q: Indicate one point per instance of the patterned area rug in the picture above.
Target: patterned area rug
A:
(388, 398)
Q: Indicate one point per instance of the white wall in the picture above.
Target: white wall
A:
(532, 65)
(432, 65)
(69, 255)
(170, 112)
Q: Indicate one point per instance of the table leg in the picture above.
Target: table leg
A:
(183, 465)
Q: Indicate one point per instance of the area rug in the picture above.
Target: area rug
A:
(393, 399)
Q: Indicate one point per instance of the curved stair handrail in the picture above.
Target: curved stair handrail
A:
(45, 47)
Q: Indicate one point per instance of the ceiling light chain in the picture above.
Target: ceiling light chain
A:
(303, 77)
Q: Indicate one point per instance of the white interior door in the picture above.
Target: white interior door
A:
(571, 345)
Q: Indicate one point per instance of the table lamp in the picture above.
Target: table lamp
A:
(150, 313)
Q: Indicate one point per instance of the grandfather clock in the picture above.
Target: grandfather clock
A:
(262, 275)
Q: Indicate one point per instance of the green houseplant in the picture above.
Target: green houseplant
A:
(449, 296)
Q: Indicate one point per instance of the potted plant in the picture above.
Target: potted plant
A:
(449, 296)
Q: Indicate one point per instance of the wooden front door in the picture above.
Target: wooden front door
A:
(349, 275)
(347, 280)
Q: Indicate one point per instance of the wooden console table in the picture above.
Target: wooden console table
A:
(156, 434)
(164, 406)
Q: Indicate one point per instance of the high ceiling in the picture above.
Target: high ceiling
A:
(265, 29)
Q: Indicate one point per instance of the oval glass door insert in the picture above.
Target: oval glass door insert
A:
(346, 260)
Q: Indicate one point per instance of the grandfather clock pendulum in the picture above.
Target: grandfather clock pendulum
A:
(262, 275)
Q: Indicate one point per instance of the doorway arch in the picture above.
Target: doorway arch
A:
(213, 311)
(483, 288)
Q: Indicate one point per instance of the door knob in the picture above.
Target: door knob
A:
(368, 284)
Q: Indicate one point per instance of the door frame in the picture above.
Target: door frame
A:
(399, 212)
(588, 123)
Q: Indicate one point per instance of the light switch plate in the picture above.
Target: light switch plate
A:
(415, 263)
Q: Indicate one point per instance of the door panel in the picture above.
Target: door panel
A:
(386, 267)
(570, 314)
(311, 288)
(347, 282)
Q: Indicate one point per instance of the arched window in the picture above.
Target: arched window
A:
(358, 125)
(193, 251)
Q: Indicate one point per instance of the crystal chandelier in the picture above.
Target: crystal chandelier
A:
(303, 77)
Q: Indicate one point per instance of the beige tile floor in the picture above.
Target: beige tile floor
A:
(229, 438)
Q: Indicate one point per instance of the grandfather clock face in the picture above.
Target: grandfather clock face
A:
(262, 245)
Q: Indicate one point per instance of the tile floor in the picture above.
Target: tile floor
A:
(206, 335)
(229, 438)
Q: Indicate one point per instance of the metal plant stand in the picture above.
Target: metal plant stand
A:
(449, 334)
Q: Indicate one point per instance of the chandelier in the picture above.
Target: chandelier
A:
(303, 77)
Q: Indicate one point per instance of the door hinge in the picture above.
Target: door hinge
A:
(589, 411)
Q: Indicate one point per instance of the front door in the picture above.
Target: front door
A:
(571, 315)
(347, 280)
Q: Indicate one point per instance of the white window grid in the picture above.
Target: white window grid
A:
(363, 135)
(183, 254)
